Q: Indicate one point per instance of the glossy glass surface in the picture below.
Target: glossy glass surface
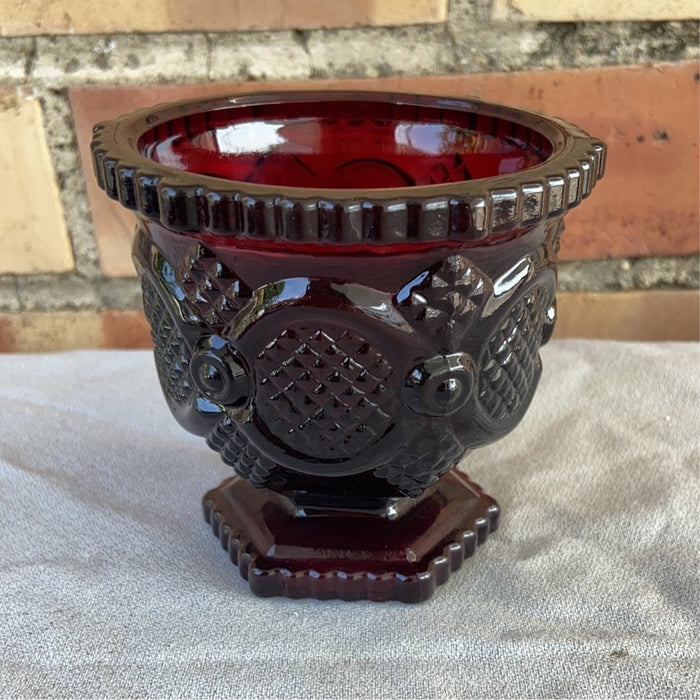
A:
(383, 367)
(342, 388)
(344, 144)
(283, 549)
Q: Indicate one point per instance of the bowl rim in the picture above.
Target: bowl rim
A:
(470, 210)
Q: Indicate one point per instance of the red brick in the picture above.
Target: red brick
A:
(7, 334)
(125, 329)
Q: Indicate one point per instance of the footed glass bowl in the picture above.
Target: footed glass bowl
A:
(347, 292)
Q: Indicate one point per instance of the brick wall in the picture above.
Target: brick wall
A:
(627, 72)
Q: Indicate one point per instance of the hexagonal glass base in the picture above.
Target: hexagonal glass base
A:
(285, 549)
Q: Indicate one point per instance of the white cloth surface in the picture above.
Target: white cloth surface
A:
(113, 585)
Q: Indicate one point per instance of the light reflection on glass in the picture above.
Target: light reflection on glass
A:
(250, 137)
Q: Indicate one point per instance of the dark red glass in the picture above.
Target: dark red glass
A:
(345, 145)
(348, 293)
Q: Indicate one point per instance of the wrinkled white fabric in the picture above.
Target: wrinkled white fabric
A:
(112, 585)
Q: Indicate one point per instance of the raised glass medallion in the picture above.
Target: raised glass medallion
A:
(347, 292)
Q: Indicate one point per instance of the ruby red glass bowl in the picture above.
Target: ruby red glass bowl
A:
(348, 292)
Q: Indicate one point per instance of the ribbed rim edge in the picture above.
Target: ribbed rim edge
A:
(469, 211)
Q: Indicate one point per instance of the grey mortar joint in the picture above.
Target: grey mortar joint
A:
(63, 149)
(9, 295)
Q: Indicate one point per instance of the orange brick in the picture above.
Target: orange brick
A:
(30, 17)
(7, 334)
(647, 204)
(648, 315)
(125, 329)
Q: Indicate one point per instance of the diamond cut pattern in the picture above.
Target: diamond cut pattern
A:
(446, 300)
(169, 346)
(511, 360)
(211, 288)
(323, 392)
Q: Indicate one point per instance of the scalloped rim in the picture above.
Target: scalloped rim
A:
(467, 212)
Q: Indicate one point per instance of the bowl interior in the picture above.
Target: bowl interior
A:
(344, 144)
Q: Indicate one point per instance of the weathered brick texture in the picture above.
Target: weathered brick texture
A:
(30, 17)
